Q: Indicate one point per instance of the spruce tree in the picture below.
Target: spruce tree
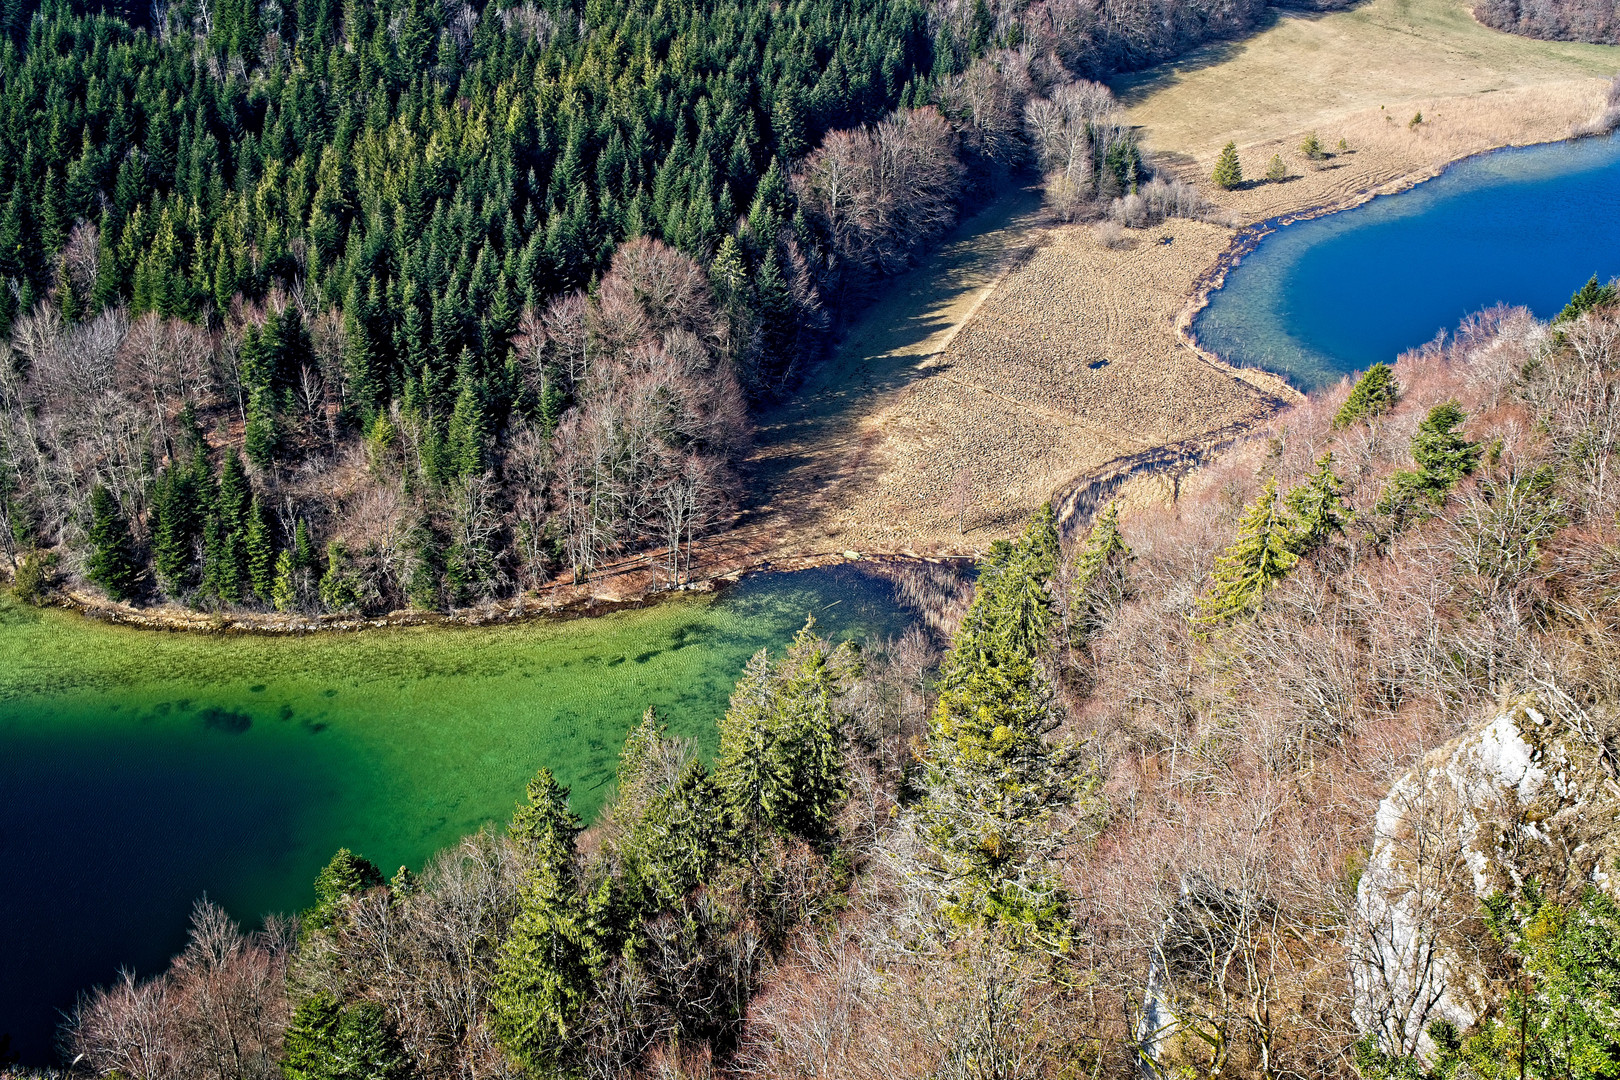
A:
(339, 586)
(780, 769)
(261, 436)
(1588, 297)
(543, 972)
(327, 1042)
(284, 592)
(260, 549)
(1098, 577)
(666, 820)
(1443, 454)
(1228, 171)
(1276, 169)
(112, 562)
(1262, 555)
(1318, 507)
(364, 1047)
(996, 790)
(1104, 546)
(303, 546)
(177, 513)
(227, 572)
(467, 434)
(310, 1038)
(1373, 394)
(348, 875)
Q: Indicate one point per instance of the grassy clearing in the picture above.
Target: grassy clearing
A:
(1307, 70)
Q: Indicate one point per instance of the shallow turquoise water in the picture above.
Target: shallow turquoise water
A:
(1322, 298)
(142, 770)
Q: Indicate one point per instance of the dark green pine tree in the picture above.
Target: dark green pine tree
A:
(1318, 507)
(543, 974)
(780, 769)
(1373, 394)
(364, 1047)
(1262, 555)
(260, 549)
(327, 1042)
(178, 518)
(1443, 454)
(227, 570)
(345, 877)
(668, 826)
(310, 1038)
(467, 438)
(235, 492)
(222, 568)
(262, 434)
(427, 567)
(112, 562)
(1588, 297)
(303, 547)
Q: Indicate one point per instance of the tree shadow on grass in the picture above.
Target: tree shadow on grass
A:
(813, 442)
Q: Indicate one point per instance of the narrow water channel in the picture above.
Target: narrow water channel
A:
(141, 770)
(1322, 298)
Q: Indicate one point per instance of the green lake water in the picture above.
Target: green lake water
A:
(142, 770)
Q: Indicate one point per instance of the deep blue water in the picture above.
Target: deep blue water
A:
(1322, 298)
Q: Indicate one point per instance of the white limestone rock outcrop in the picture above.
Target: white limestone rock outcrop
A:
(1530, 794)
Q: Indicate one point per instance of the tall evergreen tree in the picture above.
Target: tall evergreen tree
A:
(284, 595)
(112, 562)
(780, 769)
(543, 973)
(1374, 393)
(1262, 555)
(1099, 577)
(998, 794)
(1317, 506)
(178, 513)
(259, 545)
(348, 875)
(1104, 546)
(1443, 454)
(310, 1038)
(1588, 297)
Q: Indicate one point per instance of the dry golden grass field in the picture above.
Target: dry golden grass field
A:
(1310, 71)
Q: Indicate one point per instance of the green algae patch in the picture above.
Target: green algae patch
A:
(143, 769)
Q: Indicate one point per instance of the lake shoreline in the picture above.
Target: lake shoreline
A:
(559, 603)
(1249, 236)
(1383, 159)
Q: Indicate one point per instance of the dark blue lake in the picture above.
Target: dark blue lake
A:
(1322, 298)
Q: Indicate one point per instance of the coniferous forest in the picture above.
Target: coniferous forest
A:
(340, 307)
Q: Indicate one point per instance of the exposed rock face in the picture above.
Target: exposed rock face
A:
(1531, 794)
